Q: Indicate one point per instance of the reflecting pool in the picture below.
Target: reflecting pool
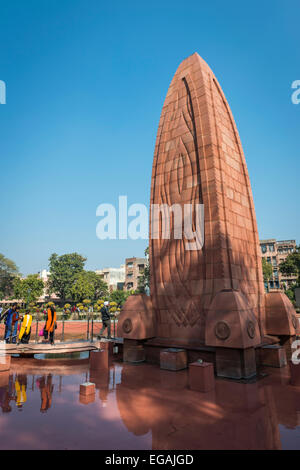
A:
(142, 407)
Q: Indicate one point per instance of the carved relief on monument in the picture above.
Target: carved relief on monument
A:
(177, 182)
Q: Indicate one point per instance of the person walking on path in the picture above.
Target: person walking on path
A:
(50, 325)
(7, 317)
(105, 320)
(14, 324)
(25, 331)
(11, 317)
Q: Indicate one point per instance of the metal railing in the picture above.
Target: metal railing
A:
(68, 329)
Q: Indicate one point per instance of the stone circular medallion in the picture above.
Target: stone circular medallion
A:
(222, 330)
(127, 325)
(294, 321)
(251, 329)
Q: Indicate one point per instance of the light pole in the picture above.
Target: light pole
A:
(28, 296)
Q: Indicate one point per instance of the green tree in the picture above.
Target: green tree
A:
(291, 265)
(119, 296)
(28, 289)
(100, 287)
(267, 270)
(64, 271)
(291, 294)
(82, 288)
(88, 285)
(8, 272)
(144, 280)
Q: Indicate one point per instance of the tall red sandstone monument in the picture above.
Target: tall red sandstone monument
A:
(212, 298)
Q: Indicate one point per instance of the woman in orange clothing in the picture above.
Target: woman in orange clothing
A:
(50, 326)
(46, 389)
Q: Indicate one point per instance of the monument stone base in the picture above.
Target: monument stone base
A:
(99, 360)
(235, 363)
(201, 376)
(287, 343)
(133, 351)
(295, 373)
(228, 363)
(273, 356)
(173, 359)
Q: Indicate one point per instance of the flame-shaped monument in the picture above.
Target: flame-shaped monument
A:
(209, 300)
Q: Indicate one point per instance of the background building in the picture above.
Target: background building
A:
(44, 275)
(134, 268)
(114, 277)
(275, 252)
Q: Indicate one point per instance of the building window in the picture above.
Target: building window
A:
(263, 248)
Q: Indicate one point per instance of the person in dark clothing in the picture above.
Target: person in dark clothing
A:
(10, 318)
(7, 315)
(105, 320)
(6, 396)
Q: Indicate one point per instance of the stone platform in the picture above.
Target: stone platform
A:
(58, 348)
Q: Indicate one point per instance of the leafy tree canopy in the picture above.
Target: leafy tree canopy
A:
(8, 272)
(144, 280)
(82, 288)
(119, 296)
(267, 269)
(28, 289)
(64, 271)
(100, 286)
(88, 285)
(291, 266)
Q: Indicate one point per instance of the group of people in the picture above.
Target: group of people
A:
(15, 335)
(11, 319)
(16, 391)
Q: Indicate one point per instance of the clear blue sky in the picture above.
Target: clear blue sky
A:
(86, 81)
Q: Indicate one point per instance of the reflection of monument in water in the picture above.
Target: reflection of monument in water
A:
(101, 381)
(234, 416)
(211, 300)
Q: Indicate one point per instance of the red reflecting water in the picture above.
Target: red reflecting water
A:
(143, 407)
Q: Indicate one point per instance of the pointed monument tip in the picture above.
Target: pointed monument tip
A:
(195, 57)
